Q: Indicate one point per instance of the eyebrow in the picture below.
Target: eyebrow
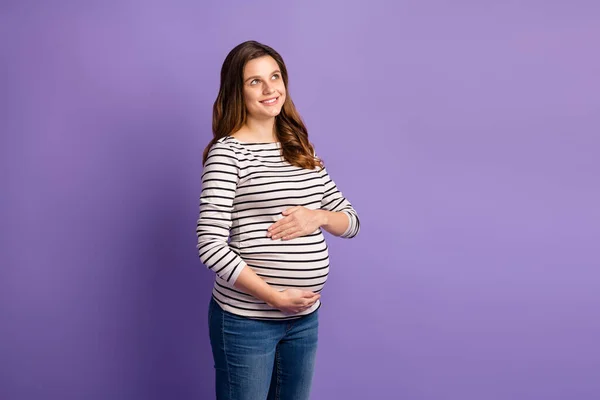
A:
(256, 76)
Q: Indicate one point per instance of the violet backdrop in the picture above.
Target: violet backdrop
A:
(466, 135)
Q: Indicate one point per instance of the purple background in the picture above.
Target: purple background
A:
(466, 135)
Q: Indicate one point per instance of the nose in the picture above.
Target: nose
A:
(269, 88)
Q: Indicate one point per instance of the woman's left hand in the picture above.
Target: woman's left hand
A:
(298, 221)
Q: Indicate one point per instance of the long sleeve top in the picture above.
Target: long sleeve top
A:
(245, 188)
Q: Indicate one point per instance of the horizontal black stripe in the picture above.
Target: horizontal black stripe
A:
(280, 244)
(240, 300)
(306, 204)
(295, 277)
(268, 167)
(278, 190)
(264, 159)
(280, 175)
(218, 156)
(288, 269)
(318, 233)
(261, 215)
(255, 186)
(274, 199)
(240, 233)
(296, 286)
(280, 182)
(219, 180)
(207, 172)
(286, 260)
(250, 309)
(281, 253)
(233, 290)
(214, 196)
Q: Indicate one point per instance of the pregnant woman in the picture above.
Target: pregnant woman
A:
(266, 197)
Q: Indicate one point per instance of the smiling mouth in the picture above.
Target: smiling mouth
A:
(270, 102)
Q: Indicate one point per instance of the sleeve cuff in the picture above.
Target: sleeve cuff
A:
(236, 272)
(349, 229)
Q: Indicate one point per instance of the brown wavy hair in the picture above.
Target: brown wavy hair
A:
(229, 109)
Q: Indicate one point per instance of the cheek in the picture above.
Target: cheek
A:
(281, 89)
(250, 98)
(283, 93)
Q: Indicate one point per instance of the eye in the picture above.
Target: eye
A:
(275, 76)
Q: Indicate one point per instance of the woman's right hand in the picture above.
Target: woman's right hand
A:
(294, 301)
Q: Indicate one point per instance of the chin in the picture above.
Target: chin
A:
(272, 114)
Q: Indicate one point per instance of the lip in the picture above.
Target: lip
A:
(270, 104)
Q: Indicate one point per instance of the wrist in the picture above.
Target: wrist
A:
(273, 298)
(323, 217)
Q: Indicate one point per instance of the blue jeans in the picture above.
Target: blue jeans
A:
(258, 360)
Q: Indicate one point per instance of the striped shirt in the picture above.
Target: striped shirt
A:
(245, 188)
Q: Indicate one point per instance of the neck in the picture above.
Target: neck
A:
(262, 130)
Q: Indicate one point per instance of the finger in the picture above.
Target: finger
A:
(277, 224)
(271, 228)
(281, 227)
(309, 305)
(311, 297)
(293, 235)
(290, 210)
(295, 229)
(286, 232)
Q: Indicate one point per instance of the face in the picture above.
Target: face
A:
(264, 90)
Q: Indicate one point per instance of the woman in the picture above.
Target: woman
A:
(265, 198)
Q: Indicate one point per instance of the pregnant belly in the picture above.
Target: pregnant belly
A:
(297, 263)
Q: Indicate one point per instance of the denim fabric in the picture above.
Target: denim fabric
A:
(258, 359)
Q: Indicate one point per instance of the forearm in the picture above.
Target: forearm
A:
(334, 222)
(253, 284)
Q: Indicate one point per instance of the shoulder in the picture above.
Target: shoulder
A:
(225, 144)
(223, 148)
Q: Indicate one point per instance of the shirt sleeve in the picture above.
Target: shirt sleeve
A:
(334, 200)
(219, 182)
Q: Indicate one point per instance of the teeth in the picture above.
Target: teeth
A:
(269, 101)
